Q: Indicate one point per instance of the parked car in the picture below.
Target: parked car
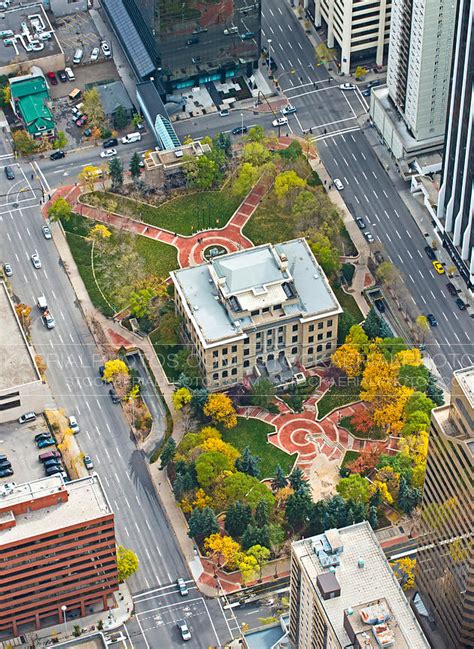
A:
(62, 76)
(430, 253)
(114, 396)
(105, 47)
(44, 443)
(288, 109)
(461, 304)
(224, 113)
(42, 457)
(52, 470)
(52, 78)
(112, 141)
(5, 464)
(4, 473)
(192, 41)
(48, 320)
(369, 237)
(95, 54)
(452, 290)
(347, 86)
(231, 30)
(360, 222)
(57, 155)
(239, 130)
(36, 261)
(40, 436)
(54, 461)
(28, 416)
(108, 153)
(7, 269)
(338, 184)
(366, 93)
(80, 121)
(372, 84)
(280, 121)
(46, 232)
(73, 425)
(439, 268)
(184, 629)
(88, 463)
(183, 589)
(432, 320)
(379, 305)
(246, 36)
(195, 60)
(9, 173)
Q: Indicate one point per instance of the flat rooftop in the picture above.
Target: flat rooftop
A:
(365, 579)
(87, 501)
(465, 378)
(15, 20)
(16, 363)
(255, 279)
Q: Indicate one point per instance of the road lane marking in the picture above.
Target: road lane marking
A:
(70, 336)
(108, 427)
(88, 435)
(357, 199)
(374, 174)
(385, 193)
(45, 273)
(98, 404)
(88, 406)
(363, 173)
(62, 315)
(125, 528)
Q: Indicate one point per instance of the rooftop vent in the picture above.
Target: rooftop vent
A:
(195, 308)
(361, 563)
(328, 585)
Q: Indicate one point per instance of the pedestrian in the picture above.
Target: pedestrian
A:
(311, 130)
(314, 84)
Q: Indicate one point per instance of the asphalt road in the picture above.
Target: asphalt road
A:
(73, 359)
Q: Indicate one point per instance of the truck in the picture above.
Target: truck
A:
(41, 303)
(131, 137)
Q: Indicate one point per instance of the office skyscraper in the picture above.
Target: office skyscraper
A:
(445, 559)
(194, 42)
(455, 201)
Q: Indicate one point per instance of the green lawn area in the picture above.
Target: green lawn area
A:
(253, 433)
(348, 303)
(336, 397)
(159, 258)
(349, 456)
(185, 214)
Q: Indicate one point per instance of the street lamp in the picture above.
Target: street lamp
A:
(269, 41)
(242, 122)
(64, 609)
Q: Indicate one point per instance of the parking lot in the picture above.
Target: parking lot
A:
(77, 31)
(17, 443)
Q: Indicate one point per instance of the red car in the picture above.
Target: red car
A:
(52, 77)
(80, 121)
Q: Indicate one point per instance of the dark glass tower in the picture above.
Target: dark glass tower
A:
(196, 41)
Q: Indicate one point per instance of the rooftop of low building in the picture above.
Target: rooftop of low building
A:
(19, 19)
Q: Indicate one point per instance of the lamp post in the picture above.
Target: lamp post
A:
(64, 609)
(242, 122)
(269, 41)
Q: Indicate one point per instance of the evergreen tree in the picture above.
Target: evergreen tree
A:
(182, 484)
(198, 401)
(298, 481)
(254, 535)
(279, 480)
(134, 166)
(168, 452)
(345, 322)
(202, 523)
(121, 118)
(385, 331)
(262, 513)
(262, 393)
(434, 392)
(116, 172)
(376, 499)
(237, 518)
(372, 323)
(373, 517)
(298, 510)
(408, 497)
(222, 141)
(248, 463)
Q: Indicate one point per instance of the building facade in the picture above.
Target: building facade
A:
(193, 42)
(445, 558)
(263, 312)
(456, 198)
(57, 549)
(359, 30)
(344, 594)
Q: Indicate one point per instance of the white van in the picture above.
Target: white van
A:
(78, 54)
(131, 137)
(70, 74)
(41, 303)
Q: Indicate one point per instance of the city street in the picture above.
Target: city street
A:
(73, 360)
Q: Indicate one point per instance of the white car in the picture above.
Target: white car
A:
(369, 237)
(280, 121)
(36, 260)
(95, 54)
(73, 425)
(288, 109)
(184, 629)
(108, 153)
(106, 49)
(347, 86)
(338, 184)
(46, 232)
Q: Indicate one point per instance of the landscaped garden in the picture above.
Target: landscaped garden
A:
(340, 394)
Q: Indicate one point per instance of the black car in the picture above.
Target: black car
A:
(40, 436)
(114, 396)
(432, 320)
(5, 464)
(9, 173)
(379, 305)
(6, 472)
(430, 253)
(57, 155)
(461, 304)
(62, 76)
(110, 143)
(192, 41)
(452, 290)
(54, 461)
(360, 222)
(239, 130)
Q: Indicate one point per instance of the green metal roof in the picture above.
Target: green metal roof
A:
(31, 100)
(27, 87)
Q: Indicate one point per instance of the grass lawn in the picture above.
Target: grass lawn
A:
(336, 397)
(349, 456)
(185, 214)
(159, 258)
(348, 303)
(253, 433)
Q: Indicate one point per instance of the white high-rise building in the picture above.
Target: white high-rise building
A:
(419, 63)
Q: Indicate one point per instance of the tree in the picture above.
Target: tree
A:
(61, 140)
(262, 393)
(355, 488)
(255, 535)
(256, 134)
(127, 563)
(360, 72)
(99, 232)
(298, 481)
(121, 118)
(298, 510)
(243, 487)
(198, 401)
(248, 566)
(168, 328)
(362, 421)
(202, 172)
(372, 324)
(261, 555)
(41, 365)
(400, 463)
(137, 120)
(93, 108)
(246, 179)
(292, 152)
(116, 172)
(220, 409)
(419, 401)
(366, 461)
(89, 176)
(167, 453)
(414, 377)
(223, 142)
(408, 497)
(23, 312)
(262, 513)
(326, 253)
(134, 166)
(140, 301)
(237, 518)
(386, 273)
(182, 485)
(256, 153)
(209, 466)
(202, 523)
(422, 327)
(404, 569)
(23, 143)
(181, 398)
(373, 517)
(287, 181)
(215, 444)
(348, 359)
(115, 368)
(346, 321)
(434, 392)
(223, 549)
(60, 210)
(248, 463)
(279, 480)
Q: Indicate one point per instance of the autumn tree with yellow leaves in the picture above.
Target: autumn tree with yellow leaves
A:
(220, 409)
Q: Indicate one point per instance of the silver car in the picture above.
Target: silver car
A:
(36, 260)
